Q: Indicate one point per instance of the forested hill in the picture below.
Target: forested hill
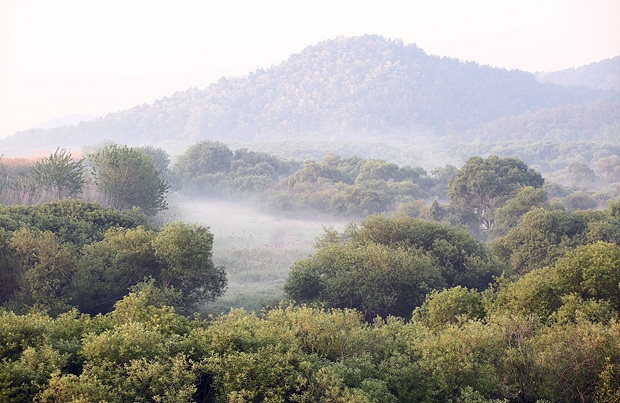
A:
(602, 75)
(346, 87)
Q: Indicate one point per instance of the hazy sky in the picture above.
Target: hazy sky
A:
(60, 57)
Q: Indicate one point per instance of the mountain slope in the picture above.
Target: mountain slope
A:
(602, 75)
(342, 88)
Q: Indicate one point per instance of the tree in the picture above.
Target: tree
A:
(593, 272)
(387, 265)
(581, 174)
(127, 178)
(373, 278)
(74, 221)
(610, 167)
(204, 157)
(161, 160)
(442, 308)
(580, 201)
(443, 176)
(47, 268)
(160, 157)
(107, 269)
(184, 252)
(542, 237)
(462, 259)
(178, 258)
(60, 173)
(482, 185)
(510, 213)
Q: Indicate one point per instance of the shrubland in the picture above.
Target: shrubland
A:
(495, 291)
(71, 253)
(145, 351)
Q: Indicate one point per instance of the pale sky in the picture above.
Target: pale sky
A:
(61, 57)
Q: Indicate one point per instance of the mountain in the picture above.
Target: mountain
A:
(346, 88)
(67, 120)
(599, 121)
(602, 75)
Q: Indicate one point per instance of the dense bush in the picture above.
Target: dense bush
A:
(387, 265)
(146, 352)
(76, 254)
(543, 236)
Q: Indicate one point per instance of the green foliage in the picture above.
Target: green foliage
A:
(185, 255)
(388, 265)
(143, 351)
(353, 186)
(482, 185)
(376, 279)
(108, 268)
(584, 284)
(72, 253)
(204, 157)
(178, 258)
(59, 173)
(210, 168)
(161, 161)
(461, 258)
(508, 216)
(128, 178)
(535, 293)
(442, 308)
(613, 209)
(593, 272)
(74, 221)
(580, 201)
(608, 390)
(542, 237)
(47, 266)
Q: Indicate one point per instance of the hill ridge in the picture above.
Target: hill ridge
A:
(348, 87)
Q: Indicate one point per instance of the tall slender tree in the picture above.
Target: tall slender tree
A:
(60, 173)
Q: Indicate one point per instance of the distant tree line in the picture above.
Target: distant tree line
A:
(486, 195)
(126, 177)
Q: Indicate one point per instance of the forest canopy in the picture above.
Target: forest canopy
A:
(419, 301)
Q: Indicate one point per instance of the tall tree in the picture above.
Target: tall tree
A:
(481, 185)
(60, 173)
(127, 177)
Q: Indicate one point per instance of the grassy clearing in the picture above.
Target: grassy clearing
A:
(257, 249)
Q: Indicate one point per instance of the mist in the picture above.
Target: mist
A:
(256, 248)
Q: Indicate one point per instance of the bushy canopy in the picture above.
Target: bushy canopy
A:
(387, 265)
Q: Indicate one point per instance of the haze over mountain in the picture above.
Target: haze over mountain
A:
(603, 75)
(67, 120)
(361, 88)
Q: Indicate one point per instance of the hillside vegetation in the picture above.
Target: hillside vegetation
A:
(360, 88)
(602, 75)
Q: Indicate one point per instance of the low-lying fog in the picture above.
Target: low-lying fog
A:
(257, 249)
